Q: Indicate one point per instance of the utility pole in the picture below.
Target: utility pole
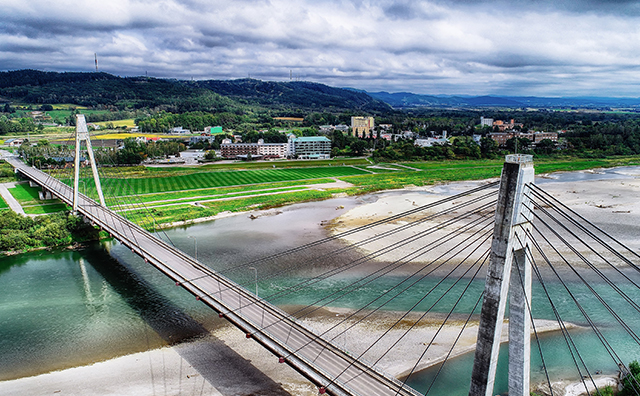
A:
(509, 246)
(82, 133)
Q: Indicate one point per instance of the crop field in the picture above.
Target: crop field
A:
(108, 136)
(63, 113)
(193, 181)
(222, 191)
(135, 204)
(287, 164)
(118, 123)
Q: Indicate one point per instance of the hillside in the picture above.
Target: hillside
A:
(408, 100)
(299, 93)
(91, 89)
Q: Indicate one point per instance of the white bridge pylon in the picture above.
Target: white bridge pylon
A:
(82, 134)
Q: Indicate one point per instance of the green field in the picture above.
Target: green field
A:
(224, 191)
(31, 203)
(3, 204)
(205, 199)
(46, 209)
(287, 164)
(185, 193)
(146, 185)
(163, 215)
(24, 194)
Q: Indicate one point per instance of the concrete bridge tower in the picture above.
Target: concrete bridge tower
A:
(508, 248)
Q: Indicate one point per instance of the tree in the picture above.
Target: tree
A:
(358, 147)
(338, 140)
(631, 382)
(488, 147)
(518, 144)
(545, 146)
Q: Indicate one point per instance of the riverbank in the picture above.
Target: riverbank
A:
(202, 365)
(611, 203)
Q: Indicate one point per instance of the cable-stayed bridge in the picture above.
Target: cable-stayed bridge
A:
(509, 233)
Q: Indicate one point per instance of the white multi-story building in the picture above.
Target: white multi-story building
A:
(273, 150)
(486, 122)
(312, 147)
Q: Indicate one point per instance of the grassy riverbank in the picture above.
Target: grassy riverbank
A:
(181, 194)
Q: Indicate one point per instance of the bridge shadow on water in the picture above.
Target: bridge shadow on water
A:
(226, 370)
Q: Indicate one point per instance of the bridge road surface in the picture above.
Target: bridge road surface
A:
(323, 363)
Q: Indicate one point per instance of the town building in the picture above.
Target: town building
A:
(499, 125)
(362, 126)
(233, 150)
(179, 131)
(312, 147)
(212, 130)
(486, 122)
(535, 137)
(198, 139)
(428, 142)
(326, 129)
(257, 150)
(273, 150)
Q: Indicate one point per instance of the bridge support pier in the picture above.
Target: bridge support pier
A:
(508, 247)
(45, 194)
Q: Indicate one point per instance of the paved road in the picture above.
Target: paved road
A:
(9, 199)
(321, 362)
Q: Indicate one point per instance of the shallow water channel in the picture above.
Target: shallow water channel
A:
(67, 308)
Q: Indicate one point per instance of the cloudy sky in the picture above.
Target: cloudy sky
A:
(475, 47)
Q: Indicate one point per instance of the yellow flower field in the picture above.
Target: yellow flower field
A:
(118, 123)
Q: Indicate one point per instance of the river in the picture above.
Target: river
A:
(63, 308)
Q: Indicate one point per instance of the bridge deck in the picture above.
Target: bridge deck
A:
(320, 361)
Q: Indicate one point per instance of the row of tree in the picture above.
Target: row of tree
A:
(132, 152)
(460, 147)
(17, 126)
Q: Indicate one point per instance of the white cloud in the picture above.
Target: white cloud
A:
(472, 47)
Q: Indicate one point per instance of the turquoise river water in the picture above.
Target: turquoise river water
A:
(66, 308)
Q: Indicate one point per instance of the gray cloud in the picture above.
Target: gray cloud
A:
(542, 47)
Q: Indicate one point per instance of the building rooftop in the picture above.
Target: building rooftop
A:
(313, 139)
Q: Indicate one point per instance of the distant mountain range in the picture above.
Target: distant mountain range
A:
(92, 89)
(299, 97)
(408, 99)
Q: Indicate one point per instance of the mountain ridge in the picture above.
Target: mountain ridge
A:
(409, 100)
(93, 89)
